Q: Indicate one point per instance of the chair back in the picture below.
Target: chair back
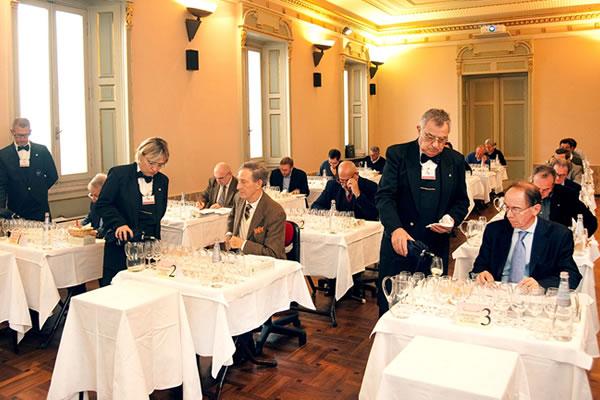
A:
(292, 241)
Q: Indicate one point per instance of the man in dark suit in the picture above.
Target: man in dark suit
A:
(350, 192)
(560, 204)
(423, 183)
(256, 223)
(290, 179)
(27, 172)
(221, 188)
(133, 200)
(329, 167)
(563, 168)
(93, 219)
(492, 152)
(570, 145)
(576, 170)
(374, 159)
(478, 156)
(523, 248)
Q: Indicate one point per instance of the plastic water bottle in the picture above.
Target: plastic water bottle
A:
(332, 212)
(216, 252)
(579, 227)
(562, 327)
(46, 237)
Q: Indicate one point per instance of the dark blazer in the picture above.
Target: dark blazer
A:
(377, 166)
(326, 167)
(363, 206)
(24, 191)
(298, 180)
(576, 187)
(266, 233)
(94, 219)
(551, 252)
(565, 204)
(497, 155)
(210, 195)
(471, 158)
(119, 204)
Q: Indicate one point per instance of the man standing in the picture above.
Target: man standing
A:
(329, 167)
(492, 152)
(374, 159)
(560, 204)
(256, 223)
(221, 188)
(289, 179)
(27, 172)
(423, 183)
(523, 248)
(350, 192)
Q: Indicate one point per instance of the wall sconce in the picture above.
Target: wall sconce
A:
(346, 31)
(319, 49)
(199, 10)
(373, 70)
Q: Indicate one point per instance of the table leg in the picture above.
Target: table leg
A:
(61, 314)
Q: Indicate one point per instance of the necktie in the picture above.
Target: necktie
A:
(247, 211)
(148, 179)
(26, 148)
(221, 199)
(349, 197)
(517, 262)
(425, 158)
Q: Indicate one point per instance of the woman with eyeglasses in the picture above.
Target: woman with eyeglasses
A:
(132, 203)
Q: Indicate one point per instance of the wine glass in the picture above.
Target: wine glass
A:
(437, 266)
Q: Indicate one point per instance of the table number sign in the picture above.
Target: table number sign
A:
(472, 314)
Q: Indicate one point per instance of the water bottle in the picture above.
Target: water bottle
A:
(332, 211)
(46, 237)
(324, 174)
(562, 327)
(579, 227)
(216, 253)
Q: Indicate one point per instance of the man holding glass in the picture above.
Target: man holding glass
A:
(523, 248)
(27, 172)
(422, 196)
(350, 192)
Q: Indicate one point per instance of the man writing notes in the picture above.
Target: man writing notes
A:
(523, 248)
(256, 223)
(422, 196)
(221, 188)
(27, 172)
(289, 179)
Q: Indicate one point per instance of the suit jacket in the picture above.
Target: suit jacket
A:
(298, 180)
(377, 166)
(576, 187)
(266, 233)
(24, 191)
(497, 155)
(576, 173)
(363, 206)
(565, 204)
(94, 219)
(327, 168)
(551, 252)
(210, 195)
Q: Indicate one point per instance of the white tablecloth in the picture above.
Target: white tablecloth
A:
(431, 368)
(194, 232)
(587, 197)
(13, 302)
(555, 370)
(370, 174)
(316, 187)
(291, 201)
(340, 255)
(123, 342)
(43, 272)
(217, 314)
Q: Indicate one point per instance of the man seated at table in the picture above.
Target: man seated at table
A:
(221, 188)
(256, 222)
(374, 160)
(570, 144)
(576, 172)
(560, 204)
(350, 192)
(562, 168)
(94, 188)
(289, 179)
(525, 249)
(478, 156)
(330, 166)
(492, 152)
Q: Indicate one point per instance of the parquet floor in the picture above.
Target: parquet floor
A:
(329, 366)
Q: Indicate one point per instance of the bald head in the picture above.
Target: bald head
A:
(222, 173)
(346, 169)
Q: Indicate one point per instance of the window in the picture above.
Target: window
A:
(266, 87)
(355, 106)
(65, 95)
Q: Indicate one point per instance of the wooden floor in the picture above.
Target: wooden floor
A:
(329, 366)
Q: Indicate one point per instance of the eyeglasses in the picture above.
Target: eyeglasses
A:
(22, 135)
(431, 138)
(219, 178)
(514, 210)
(155, 164)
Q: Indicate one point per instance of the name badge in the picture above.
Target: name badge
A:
(148, 200)
(23, 163)
(428, 170)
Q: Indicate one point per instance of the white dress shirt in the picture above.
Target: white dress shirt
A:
(24, 154)
(528, 241)
(145, 187)
(245, 223)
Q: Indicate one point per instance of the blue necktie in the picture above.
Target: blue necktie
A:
(518, 260)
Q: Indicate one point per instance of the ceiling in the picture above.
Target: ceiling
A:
(395, 14)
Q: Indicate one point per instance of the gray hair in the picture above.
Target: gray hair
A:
(152, 148)
(532, 193)
(258, 171)
(97, 181)
(544, 171)
(437, 115)
(374, 149)
(561, 163)
(21, 123)
(489, 141)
